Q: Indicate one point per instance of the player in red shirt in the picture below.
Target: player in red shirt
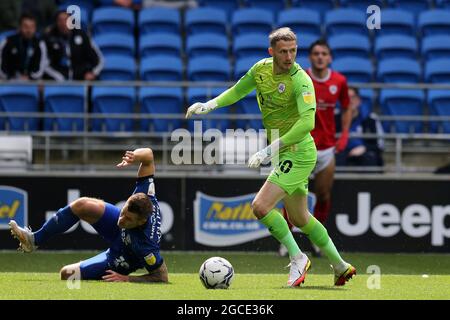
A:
(330, 87)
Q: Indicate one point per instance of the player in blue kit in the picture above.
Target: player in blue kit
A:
(132, 232)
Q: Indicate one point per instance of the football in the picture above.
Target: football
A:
(216, 273)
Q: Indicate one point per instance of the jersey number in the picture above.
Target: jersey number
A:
(285, 166)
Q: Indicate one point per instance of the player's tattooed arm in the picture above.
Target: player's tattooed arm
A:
(144, 156)
(158, 275)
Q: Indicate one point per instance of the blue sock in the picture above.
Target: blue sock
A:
(59, 223)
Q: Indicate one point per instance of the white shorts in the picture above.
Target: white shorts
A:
(324, 158)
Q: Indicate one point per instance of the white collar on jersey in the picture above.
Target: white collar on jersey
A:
(324, 79)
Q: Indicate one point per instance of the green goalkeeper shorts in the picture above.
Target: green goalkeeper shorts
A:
(294, 168)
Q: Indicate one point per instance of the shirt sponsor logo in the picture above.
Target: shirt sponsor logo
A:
(13, 206)
(308, 97)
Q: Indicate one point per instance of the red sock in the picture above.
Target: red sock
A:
(286, 217)
(322, 210)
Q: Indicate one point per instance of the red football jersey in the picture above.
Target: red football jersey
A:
(328, 91)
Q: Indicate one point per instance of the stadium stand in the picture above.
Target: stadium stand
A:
(113, 20)
(302, 21)
(318, 5)
(353, 45)
(208, 68)
(19, 99)
(160, 44)
(355, 69)
(119, 68)
(250, 46)
(399, 70)
(396, 46)
(347, 20)
(159, 20)
(252, 20)
(207, 44)
(161, 68)
(116, 44)
(205, 20)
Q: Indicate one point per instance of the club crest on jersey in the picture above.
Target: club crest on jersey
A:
(150, 259)
(308, 97)
(281, 87)
(333, 89)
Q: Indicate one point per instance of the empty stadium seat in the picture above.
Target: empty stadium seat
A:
(19, 98)
(229, 6)
(250, 45)
(206, 20)
(119, 68)
(349, 45)
(112, 100)
(340, 21)
(361, 4)
(438, 71)
(113, 20)
(243, 65)
(252, 20)
(5, 34)
(396, 46)
(439, 103)
(272, 5)
(303, 62)
(301, 21)
(202, 95)
(445, 4)
(159, 20)
(165, 44)
(116, 44)
(318, 5)
(161, 68)
(399, 70)
(159, 100)
(208, 69)
(434, 22)
(436, 47)
(62, 99)
(397, 21)
(207, 44)
(355, 69)
(303, 43)
(402, 103)
(413, 6)
(249, 105)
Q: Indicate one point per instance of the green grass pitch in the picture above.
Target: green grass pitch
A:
(259, 276)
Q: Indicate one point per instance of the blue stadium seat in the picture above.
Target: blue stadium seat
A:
(112, 100)
(159, 20)
(301, 21)
(252, 20)
(349, 45)
(355, 69)
(116, 44)
(59, 99)
(271, 5)
(250, 45)
(367, 102)
(243, 65)
(164, 44)
(5, 34)
(396, 21)
(399, 70)
(434, 22)
(413, 6)
(208, 69)
(207, 44)
(303, 62)
(318, 5)
(402, 103)
(340, 21)
(438, 71)
(436, 47)
(19, 98)
(113, 20)
(206, 20)
(203, 95)
(249, 105)
(229, 6)
(361, 4)
(444, 4)
(303, 43)
(161, 68)
(157, 100)
(439, 103)
(396, 46)
(119, 68)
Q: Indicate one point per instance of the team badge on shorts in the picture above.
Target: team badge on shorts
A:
(150, 259)
(281, 87)
(308, 97)
(333, 89)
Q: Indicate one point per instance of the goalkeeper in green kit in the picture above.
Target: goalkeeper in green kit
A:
(285, 95)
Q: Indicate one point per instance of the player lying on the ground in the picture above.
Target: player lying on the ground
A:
(133, 233)
(285, 95)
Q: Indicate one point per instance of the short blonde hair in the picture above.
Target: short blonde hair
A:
(285, 34)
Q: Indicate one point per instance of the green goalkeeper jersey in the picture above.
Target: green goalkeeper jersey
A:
(287, 101)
